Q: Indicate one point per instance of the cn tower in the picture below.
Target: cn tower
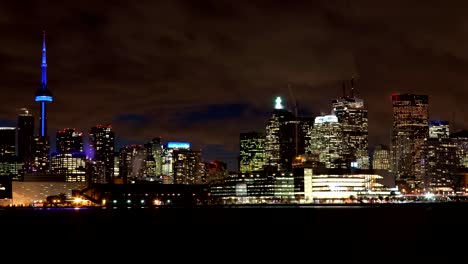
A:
(43, 94)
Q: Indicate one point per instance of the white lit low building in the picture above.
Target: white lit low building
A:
(34, 189)
(336, 185)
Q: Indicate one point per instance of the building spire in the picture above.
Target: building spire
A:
(44, 62)
(352, 87)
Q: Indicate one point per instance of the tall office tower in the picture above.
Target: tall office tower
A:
(69, 160)
(326, 141)
(9, 164)
(154, 163)
(41, 152)
(460, 139)
(169, 159)
(188, 167)
(281, 139)
(381, 158)
(439, 129)
(352, 115)
(132, 161)
(252, 151)
(439, 160)
(25, 126)
(7, 143)
(409, 132)
(102, 141)
(69, 141)
(305, 124)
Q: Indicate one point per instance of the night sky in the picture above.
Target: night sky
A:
(204, 71)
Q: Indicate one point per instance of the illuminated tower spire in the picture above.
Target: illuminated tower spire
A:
(43, 94)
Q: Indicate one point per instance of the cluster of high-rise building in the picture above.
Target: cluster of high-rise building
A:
(91, 158)
(423, 155)
(296, 158)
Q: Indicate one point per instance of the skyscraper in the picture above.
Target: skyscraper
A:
(439, 159)
(188, 167)
(7, 143)
(409, 132)
(69, 141)
(352, 116)
(280, 140)
(252, 151)
(102, 141)
(69, 160)
(9, 164)
(154, 150)
(25, 126)
(326, 141)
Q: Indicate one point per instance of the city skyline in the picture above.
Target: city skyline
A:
(206, 72)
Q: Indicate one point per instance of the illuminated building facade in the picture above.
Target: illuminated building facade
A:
(154, 163)
(281, 140)
(70, 165)
(69, 141)
(188, 167)
(326, 141)
(409, 132)
(338, 185)
(41, 152)
(252, 151)
(439, 159)
(9, 162)
(460, 139)
(132, 161)
(352, 116)
(25, 126)
(381, 158)
(256, 187)
(439, 129)
(168, 162)
(102, 140)
(116, 164)
(7, 143)
(69, 160)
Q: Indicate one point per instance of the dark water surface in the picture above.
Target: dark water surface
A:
(386, 222)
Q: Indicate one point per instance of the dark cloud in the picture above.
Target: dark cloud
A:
(204, 71)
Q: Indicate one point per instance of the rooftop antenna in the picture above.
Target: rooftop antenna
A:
(352, 87)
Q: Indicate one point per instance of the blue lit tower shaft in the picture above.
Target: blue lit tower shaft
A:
(43, 94)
